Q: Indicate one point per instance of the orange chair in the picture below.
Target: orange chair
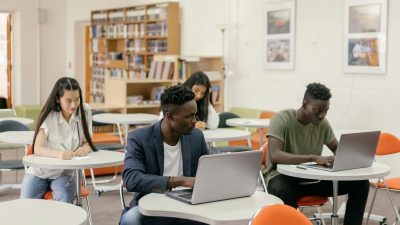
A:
(303, 202)
(388, 144)
(279, 215)
(255, 137)
(84, 191)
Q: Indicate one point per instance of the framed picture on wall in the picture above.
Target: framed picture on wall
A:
(279, 23)
(365, 36)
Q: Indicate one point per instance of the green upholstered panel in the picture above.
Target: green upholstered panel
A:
(6, 113)
(29, 111)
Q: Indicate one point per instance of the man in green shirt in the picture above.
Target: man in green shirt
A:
(298, 136)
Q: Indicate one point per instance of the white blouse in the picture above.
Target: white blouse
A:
(62, 135)
(212, 121)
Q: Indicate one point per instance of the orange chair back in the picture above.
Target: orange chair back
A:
(388, 144)
(265, 153)
(29, 151)
(279, 215)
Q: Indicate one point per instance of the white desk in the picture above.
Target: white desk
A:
(126, 119)
(223, 134)
(17, 137)
(93, 160)
(377, 170)
(41, 212)
(233, 212)
(252, 123)
(25, 121)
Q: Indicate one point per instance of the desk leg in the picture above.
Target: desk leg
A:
(261, 137)
(126, 134)
(334, 217)
(78, 187)
(121, 139)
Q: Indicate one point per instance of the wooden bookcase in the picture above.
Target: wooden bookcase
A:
(122, 44)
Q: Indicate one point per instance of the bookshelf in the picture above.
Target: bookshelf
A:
(184, 66)
(122, 44)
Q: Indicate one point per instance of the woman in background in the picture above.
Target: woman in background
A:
(206, 115)
(63, 131)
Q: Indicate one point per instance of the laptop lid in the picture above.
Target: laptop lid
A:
(356, 150)
(226, 176)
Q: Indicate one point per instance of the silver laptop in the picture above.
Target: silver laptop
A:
(355, 150)
(222, 176)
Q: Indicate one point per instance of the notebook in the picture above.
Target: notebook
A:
(222, 176)
(355, 150)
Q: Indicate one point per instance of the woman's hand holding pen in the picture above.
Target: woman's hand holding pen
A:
(82, 151)
(66, 155)
(201, 125)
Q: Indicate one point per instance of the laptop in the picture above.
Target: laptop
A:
(355, 150)
(222, 176)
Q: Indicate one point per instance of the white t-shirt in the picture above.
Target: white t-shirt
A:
(61, 135)
(173, 160)
(212, 121)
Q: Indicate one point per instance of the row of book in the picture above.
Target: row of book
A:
(135, 45)
(130, 30)
(136, 62)
(157, 46)
(161, 70)
(132, 15)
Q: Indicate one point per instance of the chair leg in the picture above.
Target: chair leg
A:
(121, 195)
(263, 182)
(320, 215)
(373, 201)
(392, 201)
(88, 210)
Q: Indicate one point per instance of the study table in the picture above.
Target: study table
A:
(41, 212)
(250, 123)
(237, 211)
(224, 134)
(377, 170)
(97, 159)
(126, 119)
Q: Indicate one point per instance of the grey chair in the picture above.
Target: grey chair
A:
(11, 165)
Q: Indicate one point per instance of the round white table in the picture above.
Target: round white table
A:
(97, 159)
(17, 137)
(126, 119)
(237, 211)
(41, 212)
(225, 134)
(25, 121)
(377, 170)
(250, 123)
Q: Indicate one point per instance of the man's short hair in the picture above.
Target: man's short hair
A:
(317, 91)
(175, 96)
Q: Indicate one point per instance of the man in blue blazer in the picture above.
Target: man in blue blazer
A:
(165, 155)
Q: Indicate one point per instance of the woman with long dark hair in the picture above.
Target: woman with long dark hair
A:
(63, 131)
(206, 115)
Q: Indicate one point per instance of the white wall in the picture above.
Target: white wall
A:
(360, 101)
(24, 50)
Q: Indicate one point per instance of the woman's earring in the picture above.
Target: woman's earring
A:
(57, 107)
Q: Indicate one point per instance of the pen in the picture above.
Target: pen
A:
(301, 167)
(197, 118)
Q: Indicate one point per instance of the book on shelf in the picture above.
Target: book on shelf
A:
(152, 70)
(215, 93)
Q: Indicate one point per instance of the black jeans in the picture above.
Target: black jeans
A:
(289, 190)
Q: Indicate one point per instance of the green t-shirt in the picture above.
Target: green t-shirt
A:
(297, 138)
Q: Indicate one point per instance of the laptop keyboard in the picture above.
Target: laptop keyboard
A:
(186, 194)
(320, 166)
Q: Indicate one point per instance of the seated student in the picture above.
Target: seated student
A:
(63, 131)
(297, 136)
(164, 155)
(207, 117)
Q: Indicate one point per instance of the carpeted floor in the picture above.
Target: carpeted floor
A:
(106, 208)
